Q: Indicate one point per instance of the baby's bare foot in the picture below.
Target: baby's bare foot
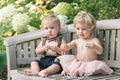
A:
(63, 73)
(76, 73)
(43, 73)
(29, 72)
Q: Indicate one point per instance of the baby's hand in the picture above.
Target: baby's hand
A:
(54, 48)
(46, 47)
(63, 48)
(89, 45)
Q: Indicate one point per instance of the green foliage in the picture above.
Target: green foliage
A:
(2, 60)
(58, 1)
(117, 70)
(3, 3)
(34, 20)
(101, 9)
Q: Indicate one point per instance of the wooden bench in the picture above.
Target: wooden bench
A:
(21, 50)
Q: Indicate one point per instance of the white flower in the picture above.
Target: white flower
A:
(28, 5)
(20, 22)
(63, 19)
(6, 14)
(31, 7)
(31, 28)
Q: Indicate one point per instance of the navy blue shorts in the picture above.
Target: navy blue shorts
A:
(47, 61)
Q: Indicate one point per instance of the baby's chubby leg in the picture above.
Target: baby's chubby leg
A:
(34, 70)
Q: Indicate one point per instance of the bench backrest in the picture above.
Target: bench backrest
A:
(21, 49)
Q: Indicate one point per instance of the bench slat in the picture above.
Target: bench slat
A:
(19, 52)
(26, 60)
(118, 46)
(100, 35)
(25, 50)
(32, 48)
(112, 44)
(108, 24)
(20, 76)
(106, 46)
(115, 64)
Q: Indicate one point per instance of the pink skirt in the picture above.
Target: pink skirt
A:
(70, 64)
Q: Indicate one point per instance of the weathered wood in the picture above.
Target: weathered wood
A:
(20, 49)
(118, 45)
(109, 24)
(112, 44)
(32, 48)
(106, 47)
(20, 76)
(26, 60)
(10, 65)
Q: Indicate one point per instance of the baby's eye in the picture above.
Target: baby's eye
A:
(51, 27)
(84, 28)
(78, 28)
(46, 28)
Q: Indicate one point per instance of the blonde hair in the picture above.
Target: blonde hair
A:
(85, 18)
(51, 18)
